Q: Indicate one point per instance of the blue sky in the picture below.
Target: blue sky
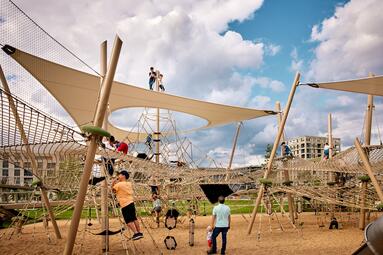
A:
(221, 51)
(287, 24)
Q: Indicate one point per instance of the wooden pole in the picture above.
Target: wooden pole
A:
(331, 176)
(274, 150)
(30, 154)
(98, 120)
(362, 215)
(157, 136)
(286, 177)
(330, 141)
(367, 141)
(370, 107)
(233, 149)
(104, 184)
(367, 166)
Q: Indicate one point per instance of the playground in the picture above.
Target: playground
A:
(75, 182)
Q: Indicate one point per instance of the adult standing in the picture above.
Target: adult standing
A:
(221, 224)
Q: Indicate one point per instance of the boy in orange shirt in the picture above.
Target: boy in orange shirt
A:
(124, 194)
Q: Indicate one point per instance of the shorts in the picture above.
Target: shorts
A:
(157, 209)
(129, 213)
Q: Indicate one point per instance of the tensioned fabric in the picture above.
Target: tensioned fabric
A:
(78, 92)
(371, 85)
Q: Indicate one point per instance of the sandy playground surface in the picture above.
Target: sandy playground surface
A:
(310, 239)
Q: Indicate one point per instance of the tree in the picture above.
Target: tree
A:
(268, 150)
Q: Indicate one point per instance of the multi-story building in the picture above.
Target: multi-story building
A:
(308, 147)
(15, 174)
(13, 177)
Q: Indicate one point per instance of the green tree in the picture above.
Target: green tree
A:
(268, 150)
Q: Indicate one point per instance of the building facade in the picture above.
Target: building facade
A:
(308, 147)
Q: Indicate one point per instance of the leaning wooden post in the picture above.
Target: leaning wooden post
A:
(98, 120)
(362, 214)
(233, 149)
(286, 177)
(367, 141)
(104, 184)
(30, 154)
(368, 168)
(274, 150)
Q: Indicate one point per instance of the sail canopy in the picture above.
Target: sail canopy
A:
(78, 93)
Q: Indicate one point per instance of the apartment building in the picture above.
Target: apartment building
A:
(308, 147)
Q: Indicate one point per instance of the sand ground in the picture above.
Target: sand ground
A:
(268, 239)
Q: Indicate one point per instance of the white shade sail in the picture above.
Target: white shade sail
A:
(371, 85)
(78, 92)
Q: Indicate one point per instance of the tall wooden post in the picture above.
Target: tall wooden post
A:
(286, 177)
(104, 184)
(274, 150)
(331, 176)
(367, 141)
(98, 120)
(157, 136)
(30, 154)
(233, 149)
(370, 107)
(363, 155)
(330, 140)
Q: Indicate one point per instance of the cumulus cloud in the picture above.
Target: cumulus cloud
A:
(350, 42)
(346, 45)
(274, 85)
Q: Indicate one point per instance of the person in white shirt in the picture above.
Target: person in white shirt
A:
(221, 224)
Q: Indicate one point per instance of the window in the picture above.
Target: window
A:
(17, 171)
(302, 150)
(5, 172)
(40, 165)
(27, 165)
(308, 155)
(17, 180)
(319, 151)
(51, 166)
(27, 172)
(5, 164)
(28, 180)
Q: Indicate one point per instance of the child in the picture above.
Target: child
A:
(157, 207)
(209, 233)
(326, 151)
(161, 86)
(152, 77)
(124, 194)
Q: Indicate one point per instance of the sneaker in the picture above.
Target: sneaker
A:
(137, 236)
(211, 252)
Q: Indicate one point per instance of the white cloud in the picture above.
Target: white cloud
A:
(274, 85)
(272, 49)
(350, 42)
(296, 63)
